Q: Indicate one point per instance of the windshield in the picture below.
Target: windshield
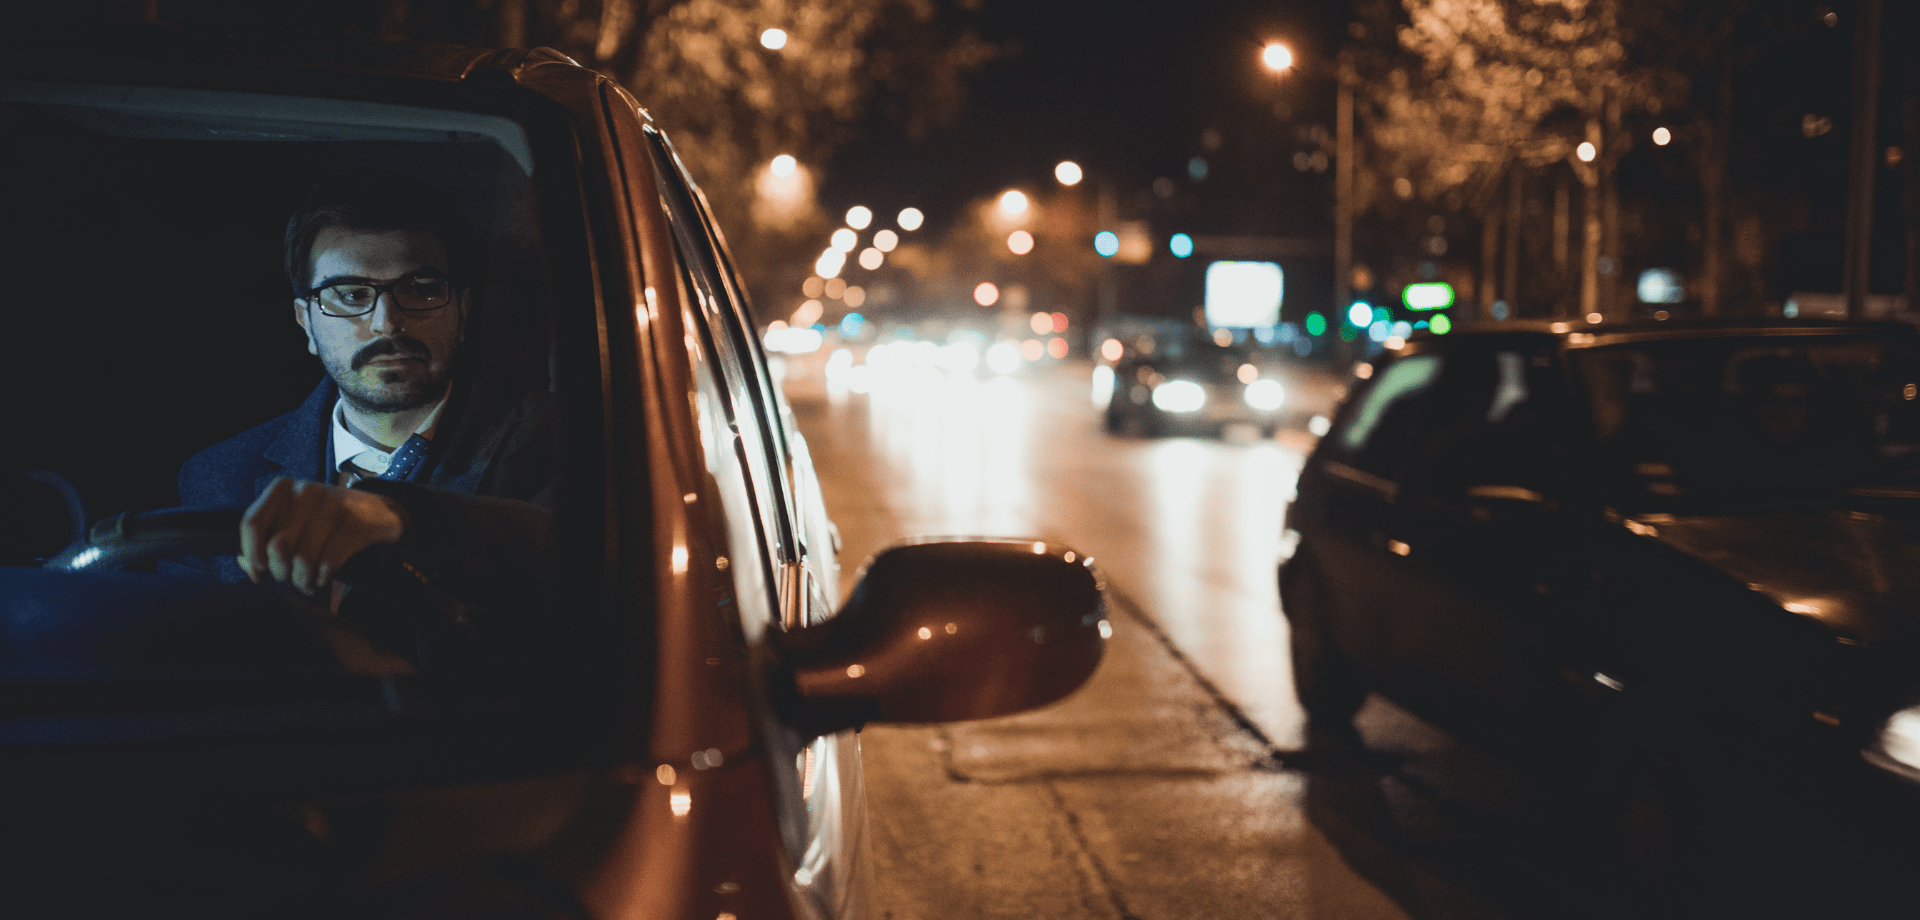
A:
(219, 291)
(1756, 417)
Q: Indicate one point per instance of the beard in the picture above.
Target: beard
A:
(411, 384)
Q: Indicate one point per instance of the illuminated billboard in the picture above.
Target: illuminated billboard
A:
(1244, 294)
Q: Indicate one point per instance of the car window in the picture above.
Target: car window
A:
(153, 319)
(1382, 426)
(1500, 424)
(1783, 415)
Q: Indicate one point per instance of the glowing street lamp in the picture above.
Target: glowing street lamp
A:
(1277, 57)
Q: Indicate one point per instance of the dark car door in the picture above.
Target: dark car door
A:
(1347, 496)
(1481, 547)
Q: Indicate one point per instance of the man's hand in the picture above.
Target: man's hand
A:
(302, 532)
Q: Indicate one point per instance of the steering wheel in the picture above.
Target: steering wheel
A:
(138, 536)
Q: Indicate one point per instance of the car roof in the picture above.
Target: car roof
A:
(1577, 334)
(147, 54)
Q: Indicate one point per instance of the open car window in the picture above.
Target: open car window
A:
(151, 317)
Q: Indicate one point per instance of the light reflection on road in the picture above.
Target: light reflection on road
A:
(1188, 528)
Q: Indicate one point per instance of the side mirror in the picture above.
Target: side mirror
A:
(949, 631)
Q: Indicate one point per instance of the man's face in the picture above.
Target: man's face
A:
(389, 360)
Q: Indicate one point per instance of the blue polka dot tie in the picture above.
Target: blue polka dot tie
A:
(407, 459)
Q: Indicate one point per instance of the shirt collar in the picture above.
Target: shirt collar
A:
(369, 459)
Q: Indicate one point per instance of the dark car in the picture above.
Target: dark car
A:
(643, 704)
(1689, 552)
(1171, 378)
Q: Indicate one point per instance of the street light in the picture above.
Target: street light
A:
(1277, 57)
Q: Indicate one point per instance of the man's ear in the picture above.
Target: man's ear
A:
(300, 314)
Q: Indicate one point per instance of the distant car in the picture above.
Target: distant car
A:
(658, 720)
(1686, 551)
(1179, 378)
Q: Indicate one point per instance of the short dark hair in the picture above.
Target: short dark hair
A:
(375, 201)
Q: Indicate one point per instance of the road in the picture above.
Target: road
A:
(1177, 783)
(1163, 789)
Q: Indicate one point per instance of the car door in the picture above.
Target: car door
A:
(1347, 498)
(817, 781)
(1477, 544)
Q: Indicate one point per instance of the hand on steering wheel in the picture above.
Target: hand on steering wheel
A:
(301, 533)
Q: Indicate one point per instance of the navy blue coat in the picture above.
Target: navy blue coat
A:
(480, 505)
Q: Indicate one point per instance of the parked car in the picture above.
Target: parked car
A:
(1173, 377)
(1687, 552)
(659, 719)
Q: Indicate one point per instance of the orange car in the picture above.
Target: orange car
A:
(638, 700)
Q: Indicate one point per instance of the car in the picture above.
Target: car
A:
(1170, 377)
(656, 716)
(1679, 555)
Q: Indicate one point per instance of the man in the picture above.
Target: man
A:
(398, 449)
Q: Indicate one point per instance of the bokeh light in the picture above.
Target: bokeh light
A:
(1057, 347)
(1316, 324)
(836, 287)
(1106, 243)
(1586, 151)
(1032, 350)
(1181, 245)
(986, 294)
(809, 313)
(1068, 172)
(773, 39)
(1020, 242)
(1662, 137)
(1013, 201)
(854, 295)
(830, 263)
(783, 165)
(871, 258)
(911, 218)
(1441, 325)
(813, 286)
(1040, 323)
(859, 216)
(1111, 349)
(885, 240)
(1059, 322)
(1360, 314)
(1276, 56)
(844, 239)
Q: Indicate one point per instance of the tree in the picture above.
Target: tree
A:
(1478, 88)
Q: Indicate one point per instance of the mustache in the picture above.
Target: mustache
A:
(400, 347)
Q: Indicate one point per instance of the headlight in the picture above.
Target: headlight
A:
(1102, 386)
(1897, 749)
(1265, 395)
(1179, 396)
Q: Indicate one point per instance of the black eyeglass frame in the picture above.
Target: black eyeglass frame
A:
(389, 289)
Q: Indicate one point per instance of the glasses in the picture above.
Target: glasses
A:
(413, 294)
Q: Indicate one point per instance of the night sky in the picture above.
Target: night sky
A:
(1125, 94)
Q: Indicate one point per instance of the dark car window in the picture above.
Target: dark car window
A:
(151, 319)
(1500, 423)
(1729, 417)
(1382, 428)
